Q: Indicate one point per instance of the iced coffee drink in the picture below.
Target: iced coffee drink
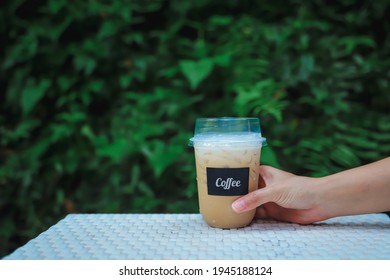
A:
(227, 156)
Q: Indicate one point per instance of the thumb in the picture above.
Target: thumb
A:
(252, 200)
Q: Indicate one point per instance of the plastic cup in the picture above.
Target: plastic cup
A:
(227, 156)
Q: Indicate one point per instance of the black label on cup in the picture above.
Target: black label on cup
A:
(227, 181)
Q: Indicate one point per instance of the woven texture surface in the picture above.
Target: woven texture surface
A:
(186, 236)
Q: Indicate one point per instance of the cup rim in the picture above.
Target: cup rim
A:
(227, 131)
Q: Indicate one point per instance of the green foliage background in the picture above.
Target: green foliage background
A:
(98, 98)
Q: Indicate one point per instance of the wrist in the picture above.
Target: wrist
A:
(343, 194)
(327, 197)
(323, 197)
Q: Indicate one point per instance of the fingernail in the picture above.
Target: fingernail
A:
(238, 205)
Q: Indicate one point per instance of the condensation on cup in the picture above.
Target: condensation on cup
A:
(227, 156)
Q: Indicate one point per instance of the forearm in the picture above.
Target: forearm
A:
(361, 190)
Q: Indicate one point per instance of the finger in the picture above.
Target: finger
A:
(261, 213)
(251, 200)
(273, 211)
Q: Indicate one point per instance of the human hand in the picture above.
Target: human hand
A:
(283, 196)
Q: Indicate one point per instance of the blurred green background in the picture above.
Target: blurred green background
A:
(98, 98)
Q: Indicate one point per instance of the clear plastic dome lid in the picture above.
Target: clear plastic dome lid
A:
(227, 131)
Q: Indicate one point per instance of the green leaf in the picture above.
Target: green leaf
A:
(268, 157)
(161, 155)
(115, 150)
(33, 93)
(36, 150)
(306, 66)
(84, 63)
(352, 42)
(222, 59)
(23, 130)
(146, 189)
(16, 84)
(73, 117)
(107, 29)
(265, 97)
(196, 71)
(221, 20)
(60, 131)
(344, 156)
(65, 83)
(87, 132)
(55, 6)
(23, 50)
(125, 80)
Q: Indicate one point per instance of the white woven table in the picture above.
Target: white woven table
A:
(186, 236)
